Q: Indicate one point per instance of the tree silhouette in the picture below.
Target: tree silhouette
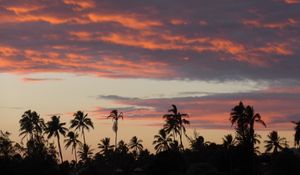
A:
(31, 125)
(6, 145)
(72, 140)
(105, 146)
(136, 145)
(122, 147)
(229, 141)
(115, 116)
(275, 142)
(244, 118)
(162, 141)
(81, 122)
(297, 133)
(54, 128)
(175, 123)
(85, 153)
(253, 118)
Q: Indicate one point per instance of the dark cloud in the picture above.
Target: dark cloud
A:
(276, 105)
(206, 40)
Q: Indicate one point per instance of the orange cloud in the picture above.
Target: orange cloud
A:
(130, 21)
(81, 4)
(271, 25)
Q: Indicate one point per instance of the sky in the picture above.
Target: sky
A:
(140, 57)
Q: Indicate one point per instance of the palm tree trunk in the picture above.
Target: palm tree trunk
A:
(75, 155)
(61, 157)
(180, 136)
(83, 136)
(116, 137)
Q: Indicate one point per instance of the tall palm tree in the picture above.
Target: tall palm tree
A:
(238, 118)
(253, 118)
(162, 141)
(31, 125)
(73, 141)
(81, 122)
(297, 133)
(244, 118)
(54, 128)
(229, 141)
(115, 116)
(85, 153)
(136, 144)
(175, 123)
(105, 146)
(275, 142)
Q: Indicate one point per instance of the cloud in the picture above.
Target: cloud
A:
(157, 40)
(278, 106)
(26, 79)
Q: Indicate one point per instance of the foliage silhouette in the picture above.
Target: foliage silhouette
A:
(162, 141)
(235, 156)
(175, 123)
(73, 141)
(275, 142)
(54, 128)
(105, 146)
(297, 133)
(115, 115)
(81, 122)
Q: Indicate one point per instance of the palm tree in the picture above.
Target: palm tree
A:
(297, 133)
(73, 141)
(175, 122)
(54, 128)
(122, 147)
(253, 118)
(105, 146)
(162, 141)
(238, 118)
(31, 125)
(229, 141)
(81, 122)
(85, 153)
(275, 142)
(244, 118)
(115, 116)
(136, 144)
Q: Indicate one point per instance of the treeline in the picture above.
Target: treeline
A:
(237, 155)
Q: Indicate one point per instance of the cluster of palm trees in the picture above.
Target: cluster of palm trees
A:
(242, 117)
(32, 126)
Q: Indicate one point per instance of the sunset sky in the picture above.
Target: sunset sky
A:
(138, 56)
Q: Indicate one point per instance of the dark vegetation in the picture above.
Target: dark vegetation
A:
(238, 155)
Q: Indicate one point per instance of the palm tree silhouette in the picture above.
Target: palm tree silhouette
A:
(122, 147)
(105, 146)
(253, 118)
(85, 153)
(238, 118)
(229, 141)
(73, 141)
(54, 128)
(115, 116)
(136, 145)
(81, 122)
(175, 122)
(31, 125)
(275, 142)
(244, 118)
(162, 141)
(297, 133)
